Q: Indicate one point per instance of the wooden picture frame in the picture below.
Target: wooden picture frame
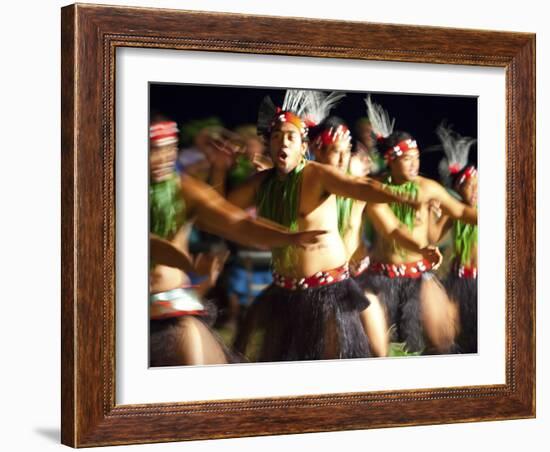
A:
(90, 36)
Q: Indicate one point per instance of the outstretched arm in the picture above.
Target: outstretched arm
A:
(221, 152)
(439, 223)
(361, 188)
(218, 216)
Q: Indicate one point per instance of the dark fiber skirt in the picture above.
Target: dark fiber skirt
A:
(401, 299)
(464, 292)
(165, 336)
(310, 324)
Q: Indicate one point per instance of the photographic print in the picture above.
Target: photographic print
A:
(299, 224)
(270, 232)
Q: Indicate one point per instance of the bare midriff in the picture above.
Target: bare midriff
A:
(329, 253)
(388, 252)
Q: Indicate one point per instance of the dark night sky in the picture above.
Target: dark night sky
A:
(416, 114)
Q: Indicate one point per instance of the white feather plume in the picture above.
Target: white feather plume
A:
(320, 106)
(381, 123)
(456, 149)
(296, 100)
(312, 106)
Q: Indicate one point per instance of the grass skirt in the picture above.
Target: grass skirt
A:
(310, 324)
(401, 300)
(464, 292)
(165, 334)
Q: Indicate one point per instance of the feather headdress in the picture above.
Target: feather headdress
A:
(319, 106)
(303, 108)
(382, 126)
(456, 149)
(381, 123)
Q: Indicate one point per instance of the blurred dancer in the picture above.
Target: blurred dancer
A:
(179, 330)
(331, 144)
(415, 301)
(461, 282)
(311, 311)
(366, 144)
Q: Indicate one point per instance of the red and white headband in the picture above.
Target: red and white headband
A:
(163, 133)
(333, 135)
(467, 174)
(400, 148)
(295, 120)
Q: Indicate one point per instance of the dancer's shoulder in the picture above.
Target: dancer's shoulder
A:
(429, 185)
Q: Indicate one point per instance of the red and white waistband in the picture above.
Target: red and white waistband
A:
(408, 270)
(463, 271)
(323, 278)
(175, 303)
(360, 267)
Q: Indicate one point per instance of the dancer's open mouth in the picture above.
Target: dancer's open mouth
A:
(282, 156)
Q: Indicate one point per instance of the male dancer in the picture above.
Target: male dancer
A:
(415, 303)
(179, 334)
(461, 282)
(311, 311)
(331, 144)
(366, 144)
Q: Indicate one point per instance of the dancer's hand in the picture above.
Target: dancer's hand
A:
(220, 153)
(222, 147)
(210, 265)
(434, 206)
(433, 255)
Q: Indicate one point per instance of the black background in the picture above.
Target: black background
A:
(417, 114)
